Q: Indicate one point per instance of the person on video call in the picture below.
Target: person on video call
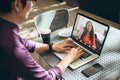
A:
(16, 62)
(88, 36)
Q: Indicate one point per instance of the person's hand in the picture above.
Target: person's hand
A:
(71, 56)
(74, 54)
(63, 45)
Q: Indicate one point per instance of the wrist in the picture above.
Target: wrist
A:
(54, 48)
(68, 59)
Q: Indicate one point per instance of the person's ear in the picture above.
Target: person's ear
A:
(17, 5)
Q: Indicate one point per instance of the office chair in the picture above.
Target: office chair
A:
(53, 19)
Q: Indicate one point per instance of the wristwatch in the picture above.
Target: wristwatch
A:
(50, 47)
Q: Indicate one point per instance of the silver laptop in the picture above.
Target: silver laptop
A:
(93, 47)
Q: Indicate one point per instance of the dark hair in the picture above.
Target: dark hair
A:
(5, 5)
(85, 32)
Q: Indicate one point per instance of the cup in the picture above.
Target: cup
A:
(45, 34)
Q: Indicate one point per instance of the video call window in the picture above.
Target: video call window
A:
(89, 32)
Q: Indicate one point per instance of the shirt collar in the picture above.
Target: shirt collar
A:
(10, 25)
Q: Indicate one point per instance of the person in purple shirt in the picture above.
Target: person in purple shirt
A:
(16, 62)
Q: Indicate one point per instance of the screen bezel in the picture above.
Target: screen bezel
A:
(82, 44)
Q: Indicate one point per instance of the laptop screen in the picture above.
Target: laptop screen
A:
(89, 32)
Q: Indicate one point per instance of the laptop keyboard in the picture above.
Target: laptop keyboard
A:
(84, 55)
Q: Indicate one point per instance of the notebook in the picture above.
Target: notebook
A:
(90, 35)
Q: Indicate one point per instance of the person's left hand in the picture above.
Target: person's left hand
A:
(63, 45)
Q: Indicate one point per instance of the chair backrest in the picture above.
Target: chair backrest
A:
(53, 19)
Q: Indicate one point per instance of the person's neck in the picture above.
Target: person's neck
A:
(9, 17)
(88, 33)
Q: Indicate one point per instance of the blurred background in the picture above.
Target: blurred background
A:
(27, 27)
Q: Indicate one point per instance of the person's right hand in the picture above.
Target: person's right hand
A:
(74, 54)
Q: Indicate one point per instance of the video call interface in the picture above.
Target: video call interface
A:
(89, 32)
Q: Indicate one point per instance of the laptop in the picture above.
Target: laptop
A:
(93, 51)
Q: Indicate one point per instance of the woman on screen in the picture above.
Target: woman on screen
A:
(88, 36)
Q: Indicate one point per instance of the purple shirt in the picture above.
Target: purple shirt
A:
(15, 58)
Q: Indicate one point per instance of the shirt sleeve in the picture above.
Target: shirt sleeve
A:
(29, 44)
(23, 65)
